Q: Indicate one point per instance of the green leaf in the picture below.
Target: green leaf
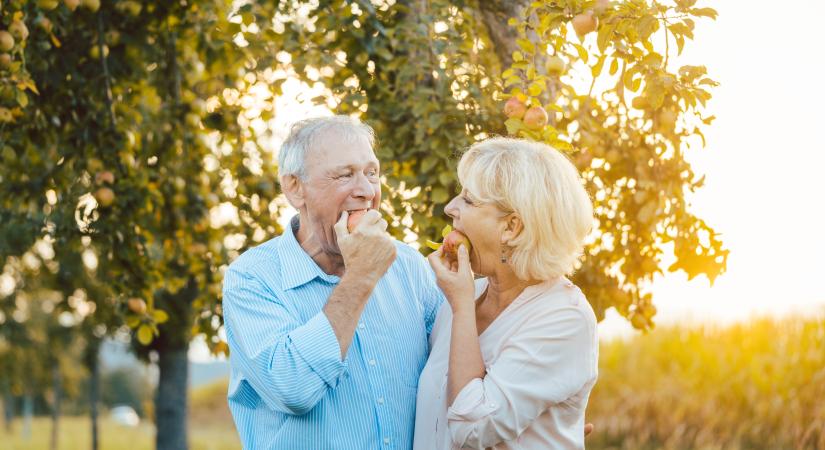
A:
(439, 195)
(428, 163)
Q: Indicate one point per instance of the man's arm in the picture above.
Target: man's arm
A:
(288, 362)
(368, 253)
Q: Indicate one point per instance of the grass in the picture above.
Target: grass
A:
(757, 385)
(75, 433)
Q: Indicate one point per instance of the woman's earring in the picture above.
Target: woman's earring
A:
(503, 258)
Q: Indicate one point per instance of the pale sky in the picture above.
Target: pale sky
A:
(764, 161)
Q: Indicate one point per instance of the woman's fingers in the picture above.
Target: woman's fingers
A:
(463, 259)
(436, 262)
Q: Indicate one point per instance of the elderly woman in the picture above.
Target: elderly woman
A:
(514, 355)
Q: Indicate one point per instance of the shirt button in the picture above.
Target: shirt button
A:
(380, 400)
(361, 326)
(387, 440)
(372, 362)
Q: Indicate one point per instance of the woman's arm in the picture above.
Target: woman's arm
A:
(544, 364)
(466, 362)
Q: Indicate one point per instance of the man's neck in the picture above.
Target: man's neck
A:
(330, 263)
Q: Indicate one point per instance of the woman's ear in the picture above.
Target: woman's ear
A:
(512, 228)
(293, 189)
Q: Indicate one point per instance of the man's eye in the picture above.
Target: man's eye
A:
(372, 173)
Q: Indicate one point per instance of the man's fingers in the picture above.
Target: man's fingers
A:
(588, 428)
(340, 227)
(371, 220)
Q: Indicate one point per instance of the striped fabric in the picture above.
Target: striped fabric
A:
(289, 388)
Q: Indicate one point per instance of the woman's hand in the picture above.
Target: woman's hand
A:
(455, 278)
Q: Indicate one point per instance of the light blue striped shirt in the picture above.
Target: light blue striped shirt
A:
(289, 388)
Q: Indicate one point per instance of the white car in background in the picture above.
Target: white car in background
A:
(124, 415)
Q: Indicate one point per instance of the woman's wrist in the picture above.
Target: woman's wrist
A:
(463, 307)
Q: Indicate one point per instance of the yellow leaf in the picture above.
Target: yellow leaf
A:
(160, 316)
(433, 245)
(144, 334)
(55, 41)
(447, 229)
(133, 321)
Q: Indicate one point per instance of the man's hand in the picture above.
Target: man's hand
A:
(368, 251)
(588, 428)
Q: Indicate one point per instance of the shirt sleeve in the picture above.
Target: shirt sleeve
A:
(543, 364)
(290, 364)
(430, 296)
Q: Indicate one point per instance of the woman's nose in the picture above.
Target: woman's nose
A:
(451, 209)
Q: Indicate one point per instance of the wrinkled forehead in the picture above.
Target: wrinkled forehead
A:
(333, 148)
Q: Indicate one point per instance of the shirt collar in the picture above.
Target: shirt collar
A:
(297, 267)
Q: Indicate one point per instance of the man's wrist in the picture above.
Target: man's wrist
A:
(360, 280)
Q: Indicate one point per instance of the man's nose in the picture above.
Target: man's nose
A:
(363, 187)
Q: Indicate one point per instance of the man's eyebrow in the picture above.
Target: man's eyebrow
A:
(353, 166)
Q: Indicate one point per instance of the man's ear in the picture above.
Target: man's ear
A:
(512, 228)
(293, 189)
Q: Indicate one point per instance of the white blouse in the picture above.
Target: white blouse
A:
(541, 355)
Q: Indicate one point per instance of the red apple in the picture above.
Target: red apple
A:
(137, 305)
(354, 218)
(451, 243)
(105, 197)
(105, 177)
(584, 23)
(514, 108)
(535, 118)
(6, 41)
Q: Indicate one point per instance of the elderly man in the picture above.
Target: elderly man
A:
(328, 329)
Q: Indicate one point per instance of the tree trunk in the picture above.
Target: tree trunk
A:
(93, 364)
(28, 411)
(171, 400)
(56, 381)
(495, 15)
(8, 410)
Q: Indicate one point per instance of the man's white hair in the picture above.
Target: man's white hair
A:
(304, 133)
(543, 187)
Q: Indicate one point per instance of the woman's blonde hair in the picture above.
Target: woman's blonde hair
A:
(540, 185)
